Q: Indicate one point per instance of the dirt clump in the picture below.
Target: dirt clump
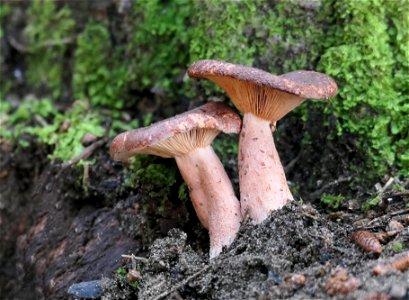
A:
(295, 240)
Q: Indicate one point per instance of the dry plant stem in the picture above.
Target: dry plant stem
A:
(263, 186)
(212, 196)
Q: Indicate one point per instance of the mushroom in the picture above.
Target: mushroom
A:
(187, 138)
(264, 99)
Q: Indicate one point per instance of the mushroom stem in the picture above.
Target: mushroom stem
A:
(212, 196)
(263, 186)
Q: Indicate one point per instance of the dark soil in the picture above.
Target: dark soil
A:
(57, 230)
(260, 263)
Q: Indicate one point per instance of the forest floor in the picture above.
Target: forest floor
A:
(53, 236)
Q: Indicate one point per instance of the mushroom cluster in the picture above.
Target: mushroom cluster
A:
(263, 99)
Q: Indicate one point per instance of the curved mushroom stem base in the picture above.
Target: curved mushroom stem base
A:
(263, 186)
(212, 196)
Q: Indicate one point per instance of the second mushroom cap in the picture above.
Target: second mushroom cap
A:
(205, 122)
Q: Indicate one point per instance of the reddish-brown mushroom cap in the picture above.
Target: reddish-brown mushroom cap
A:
(265, 95)
(305, 84)
(201, 124)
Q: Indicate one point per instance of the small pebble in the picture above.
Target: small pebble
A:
(274, 277)
(18, 75)
(296, 279)
(397, 291)
(88, 139)
(86, 289)
(324, 257)
(340, 283)
(133, 276)
(394, 226)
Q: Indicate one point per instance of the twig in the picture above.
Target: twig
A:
(40, 120)
(133, 257)
(400, 212)
(387, 184)
(389, 215)
(381, 189)
(16, 45)
(182, 283)
(85, 178)
(318, 193)
(85, 153)
(292, 163)
(49, 43)
(396, 194)
(368, 227)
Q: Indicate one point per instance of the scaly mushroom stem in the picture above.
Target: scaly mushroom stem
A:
(212, 196)
(263, 186)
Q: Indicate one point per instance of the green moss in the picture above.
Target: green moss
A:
(183, 192)
(15, 124)
(159, 45)
(48, 32)
(278, 37)
(372, 103)
(397, 247)
(39, 118)
(226, 147)
(157, 180)
(99, 74)
(67, 142)
(371, 203)
(219, 31)
(332, 201)
(119, 125)
(4, 11)
(287, 37)
(122, 274)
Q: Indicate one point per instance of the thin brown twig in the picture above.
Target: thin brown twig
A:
(138, 258)
(387, 185)
(288, 167)
(40, 120)
(368, 227)
(49, 43)
(400, 212)
(336, 182)
(396, 194)
(85, 153)
(85, 178)
(389, 215)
